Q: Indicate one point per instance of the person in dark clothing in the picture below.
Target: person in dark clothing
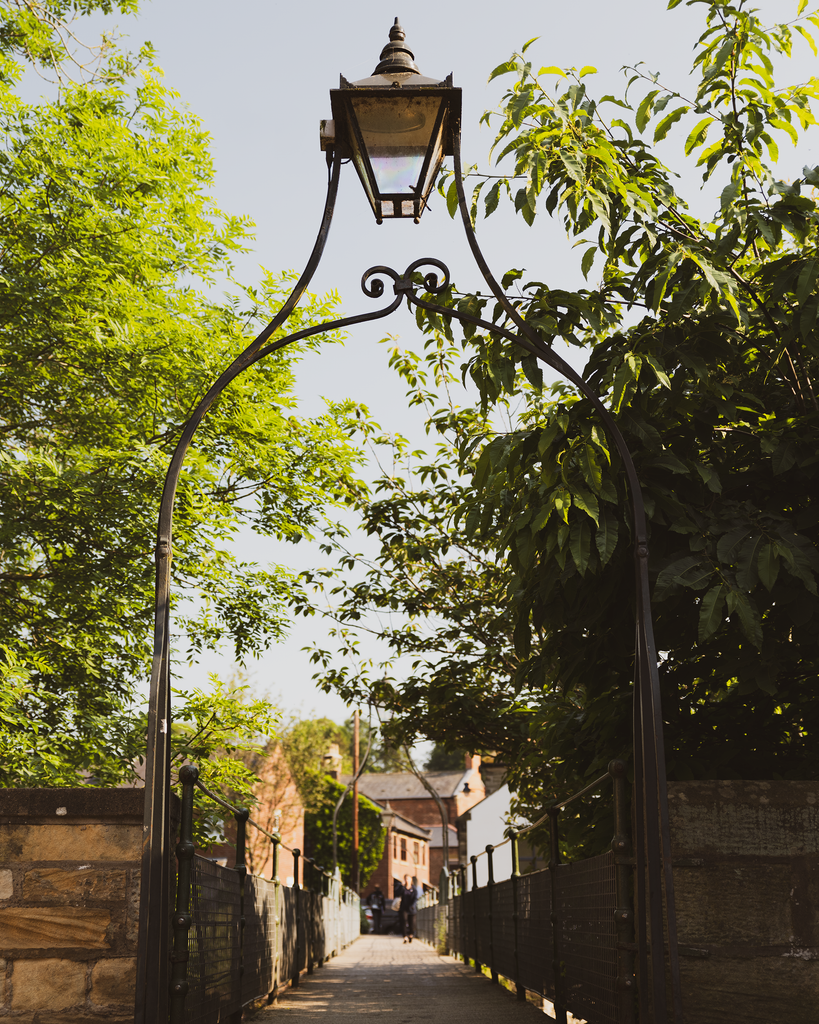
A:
(377, 904)
(408, 892)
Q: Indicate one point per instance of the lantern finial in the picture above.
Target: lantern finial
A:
(396, 57)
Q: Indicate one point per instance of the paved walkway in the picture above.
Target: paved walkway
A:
(410, 982)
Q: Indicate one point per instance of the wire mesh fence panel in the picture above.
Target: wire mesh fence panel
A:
(535, 947)
(287, 963)
(213, 944)
(259, 941)
(481, 906)
(350, 920)
(503, 929)
(426, 924)
(314, 926)
(453, 927)
(587, 899)
(470, 925)
(330, 917)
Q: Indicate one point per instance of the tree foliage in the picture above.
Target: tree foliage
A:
(318, 831)
(703, 342)
(222, 730)
(110, 246)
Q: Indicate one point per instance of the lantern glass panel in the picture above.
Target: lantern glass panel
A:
(396, 132)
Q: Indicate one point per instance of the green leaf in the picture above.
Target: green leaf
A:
(807, 280)
(587, 70)
(698, 135)
(749, 618)
(712, 612)
(452, 199)
(659, 372)
(574, 166)
(748, 560)
(552, 70)
(784, 126)
(492, 198)
(804, 32)
(586, 501)
(588, 259)
(504, 69)
(691, 571)
(606, 535)
(580, 545)
(643, 115)
(664, 126)
(590, 467)
(768, 565)
(783, 459)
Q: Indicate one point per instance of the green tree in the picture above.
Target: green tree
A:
(318, 830)
(443, 760)
(703, 343)
(108, 242)
(222, 730)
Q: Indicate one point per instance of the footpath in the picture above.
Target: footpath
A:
(407, 981)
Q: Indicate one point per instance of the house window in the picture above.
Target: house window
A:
(394, 846)
(423, 853)
(403, 848)
(415, 852)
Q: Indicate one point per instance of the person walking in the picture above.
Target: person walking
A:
(377, 905)
(408, 893)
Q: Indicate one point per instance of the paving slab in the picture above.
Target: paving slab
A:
(407, 981)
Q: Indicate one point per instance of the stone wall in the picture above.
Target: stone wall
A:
(746, 876)
(69, 902)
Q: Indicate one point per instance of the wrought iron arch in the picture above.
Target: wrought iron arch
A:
(655, 891)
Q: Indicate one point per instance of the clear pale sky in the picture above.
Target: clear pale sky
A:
(258, 73)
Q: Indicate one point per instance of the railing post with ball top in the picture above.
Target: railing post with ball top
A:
(520, 991)
(490, 894)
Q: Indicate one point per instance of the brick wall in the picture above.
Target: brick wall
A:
(69, 902)
(746, 877)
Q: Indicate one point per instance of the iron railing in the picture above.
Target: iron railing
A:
(564, 932)
(239, 938)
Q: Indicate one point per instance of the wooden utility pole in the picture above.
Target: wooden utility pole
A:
(356, 877)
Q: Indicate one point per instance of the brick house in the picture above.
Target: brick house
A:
(406, 852)
(404, 793)
(280, 808)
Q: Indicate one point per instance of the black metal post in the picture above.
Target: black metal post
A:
(557, 919)
(276, 843)
(520, 991)
(490, 892)
(623, 915)
(474, 860)
(182, 918)
(297, 966)
(463, 913)
(274, 878)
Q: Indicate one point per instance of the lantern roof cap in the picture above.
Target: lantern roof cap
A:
(396, 55)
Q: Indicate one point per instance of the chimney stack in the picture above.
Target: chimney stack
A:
(331, 762)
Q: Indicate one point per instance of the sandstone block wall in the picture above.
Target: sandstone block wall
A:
(746, 877)
(69, 903)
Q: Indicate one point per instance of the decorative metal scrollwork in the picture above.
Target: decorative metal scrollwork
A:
(403, 284)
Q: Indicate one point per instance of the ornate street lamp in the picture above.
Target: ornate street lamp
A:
(396, 127)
